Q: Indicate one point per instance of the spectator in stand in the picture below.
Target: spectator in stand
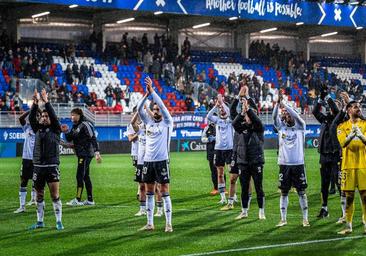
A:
(92, 70)
(156, 68)
(84, 73)
(186, 50)
(18, 103)
(145, 43)
(68, 75)
(126, 95)
(93, 98)
(188, 69)
(156, 44)
(75, 70)
(109, 95)
(189, 103)
(148, 61)
(118, 93)
(93, 41)
(118, 108)
(169, 73)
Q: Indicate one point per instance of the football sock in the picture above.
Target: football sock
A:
(159, 204)
(40, 211)
(343, 204)
(57, 208)
(22, 196)
(304, 205)
(231, 200)
(167, 208)
(221, 187)
(33, 194)
(363, 203)
(79, 192)
(325, 208)
(142, 205)
(350, 206)
(283, 207)
(150, 208)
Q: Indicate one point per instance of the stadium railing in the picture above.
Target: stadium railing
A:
(9, 119)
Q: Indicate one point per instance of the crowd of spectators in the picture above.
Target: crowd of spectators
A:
(162, 59)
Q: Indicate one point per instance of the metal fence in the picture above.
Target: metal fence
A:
(10, 118)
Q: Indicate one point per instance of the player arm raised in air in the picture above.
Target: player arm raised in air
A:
(276, 116)
(167, 118)
(296, 116)
(318, 114)
(55, 124)
(22, 118)
(141, 111)
(210, 115)
(333, 106)
(33, 113)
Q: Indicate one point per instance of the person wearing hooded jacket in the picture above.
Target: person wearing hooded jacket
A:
(82, 135)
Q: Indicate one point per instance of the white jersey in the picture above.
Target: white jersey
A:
(224, 130)
(134, 144)
(157, 133)
(142, 144)
(290, 139)
(28, 146)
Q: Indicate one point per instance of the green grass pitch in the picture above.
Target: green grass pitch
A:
(110, 228)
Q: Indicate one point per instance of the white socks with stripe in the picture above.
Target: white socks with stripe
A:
(167, 208)
(150, 208)
(283, 207)
(40, 211)
(22, 196)
(57, 208)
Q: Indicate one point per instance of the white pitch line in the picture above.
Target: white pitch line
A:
(275, 246)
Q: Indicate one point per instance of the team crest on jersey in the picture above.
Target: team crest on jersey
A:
(164, 172)
(283, 136)
(339, 131)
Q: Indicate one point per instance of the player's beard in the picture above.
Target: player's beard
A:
(157, 117)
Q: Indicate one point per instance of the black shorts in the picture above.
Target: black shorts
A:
(138, 173)
(222, 157)
(26, 171)
(134, 161)
(156, 172)
(43, 175)
(234, 167)
(292, 176)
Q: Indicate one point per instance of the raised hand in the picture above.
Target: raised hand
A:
(44, 95)
(245, 106)
(148, 83)
(244, 91)
(345, 97)
(323, 91)
(35, 97)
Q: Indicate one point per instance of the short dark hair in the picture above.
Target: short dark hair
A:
(77, 111)
(350, 103)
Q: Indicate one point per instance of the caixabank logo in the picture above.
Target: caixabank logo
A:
(192, 145)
